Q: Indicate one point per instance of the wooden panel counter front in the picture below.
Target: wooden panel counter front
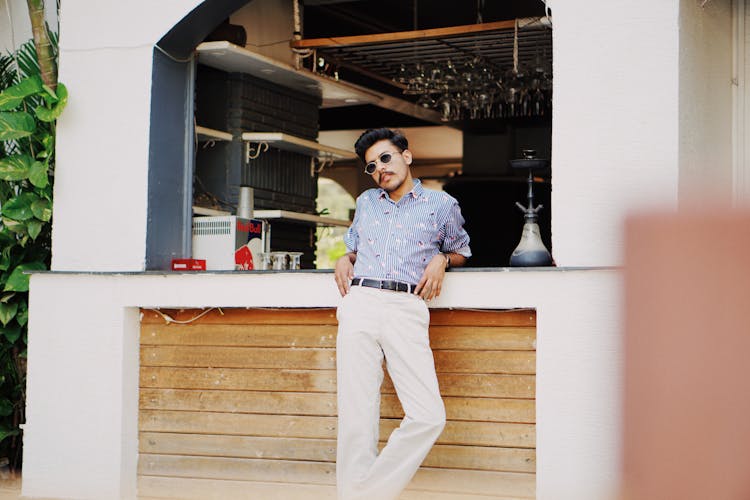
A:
(241, 403)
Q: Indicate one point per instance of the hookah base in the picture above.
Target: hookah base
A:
(531, 258)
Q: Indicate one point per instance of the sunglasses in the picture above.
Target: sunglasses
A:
(384, 158)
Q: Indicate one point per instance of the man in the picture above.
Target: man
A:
(402, 240)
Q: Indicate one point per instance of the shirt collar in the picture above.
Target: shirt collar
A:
(415, 192)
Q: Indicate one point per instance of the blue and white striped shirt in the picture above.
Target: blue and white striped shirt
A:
(396, 241)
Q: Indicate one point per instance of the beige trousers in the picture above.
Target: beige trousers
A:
(373, 325)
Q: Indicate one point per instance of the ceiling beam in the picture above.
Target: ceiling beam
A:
(341, 41)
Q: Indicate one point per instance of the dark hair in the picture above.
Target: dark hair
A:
(373, 135)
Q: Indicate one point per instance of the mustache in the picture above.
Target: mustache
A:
(380, 176)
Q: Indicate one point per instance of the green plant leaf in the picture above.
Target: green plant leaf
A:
(38, 174)
(6, 407)
(16, 125)
(19, 208)
(6, 433)
(18, 281)
(6, 297)
(16, 167)
(42, 209)
(22, 316)
(6, 240)
(12, 333)
(4, 263)
(14, 225)
(34, 227)
(51, 93)
(8, 312)
(51, 114)
(14, 95)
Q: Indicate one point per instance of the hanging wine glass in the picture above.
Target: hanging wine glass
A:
(426, 101)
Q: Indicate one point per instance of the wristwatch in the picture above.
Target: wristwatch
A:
(447, 261)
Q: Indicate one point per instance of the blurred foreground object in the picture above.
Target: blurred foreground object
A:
(687, 357)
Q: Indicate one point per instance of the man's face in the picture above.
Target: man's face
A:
(393, 176)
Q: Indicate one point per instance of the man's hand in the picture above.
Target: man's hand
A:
(344, 272)
(432, 279)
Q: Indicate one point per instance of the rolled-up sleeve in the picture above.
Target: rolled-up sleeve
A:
(456, 238)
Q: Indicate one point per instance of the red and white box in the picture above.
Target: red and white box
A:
(228, 242)
(188, 265)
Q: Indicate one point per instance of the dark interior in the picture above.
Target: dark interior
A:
(487, 188)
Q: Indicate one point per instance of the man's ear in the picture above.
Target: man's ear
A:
(406, 154)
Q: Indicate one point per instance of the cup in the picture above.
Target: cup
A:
(294, 260)
(265, 261)
(278, 260)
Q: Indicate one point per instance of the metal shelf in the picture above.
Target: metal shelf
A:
(289, 142)
(233, 58)
(279, 214)
(300, 217)
(208, 134)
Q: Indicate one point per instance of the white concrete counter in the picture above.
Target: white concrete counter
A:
(82, 412)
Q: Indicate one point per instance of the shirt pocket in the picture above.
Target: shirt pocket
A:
(424, 233)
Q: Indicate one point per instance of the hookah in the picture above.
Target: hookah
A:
(530, 250)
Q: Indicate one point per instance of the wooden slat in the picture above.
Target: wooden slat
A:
(477, 433)
(441, 337)
(216, 445)
(428, 484)
(240, 357)
(237, 316)
(517, 338)
(451, 384)
(479, 385)
(248, 424)
(247, 469)
(519, 362)
(485, 362)
(346, 41)
(239, 379)
(212, 489)
(161, 488)
(237, 424)
(324, 450)
(486, 318)
(239, 335)
(284, 403)
(327, 316)
(324, 404)
(489, 458)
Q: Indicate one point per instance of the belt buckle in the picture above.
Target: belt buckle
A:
(388, 285)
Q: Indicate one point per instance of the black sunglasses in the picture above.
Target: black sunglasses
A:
(384, 158)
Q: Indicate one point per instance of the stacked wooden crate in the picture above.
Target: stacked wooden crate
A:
(241, 403)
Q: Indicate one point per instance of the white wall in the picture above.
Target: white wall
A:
(15, 26)
(614, 123)
(705, 101)
(741, 104)
(99, 218)
(81, 431)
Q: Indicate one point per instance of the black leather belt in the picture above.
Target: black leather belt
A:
(396, 286)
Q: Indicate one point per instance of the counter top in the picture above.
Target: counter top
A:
(550, 269)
